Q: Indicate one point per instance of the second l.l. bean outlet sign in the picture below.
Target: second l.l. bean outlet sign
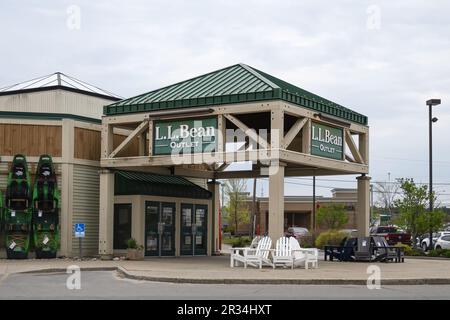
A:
(327, 141)
(185, 136)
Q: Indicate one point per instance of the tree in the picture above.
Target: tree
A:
(387, 192)
(414, 215)
(332, 216)
(237, 209)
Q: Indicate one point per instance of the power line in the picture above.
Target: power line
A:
(375, 181)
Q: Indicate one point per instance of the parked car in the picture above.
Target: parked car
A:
(425, 239)
(443, 242)
(392, 235)
(299, 233)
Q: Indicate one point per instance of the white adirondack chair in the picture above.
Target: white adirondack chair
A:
(283, 255)
(304, 256)
(255, 241)
(255, 257)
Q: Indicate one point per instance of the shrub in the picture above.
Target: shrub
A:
(239, 242)
(132, 244)
(330, 237)
(409, 251)
(306, 241)
(435, 253)
(446, 254)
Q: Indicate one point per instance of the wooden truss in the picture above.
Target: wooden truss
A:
(297, 162)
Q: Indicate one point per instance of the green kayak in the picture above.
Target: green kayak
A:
(46, 203)
(17, 211)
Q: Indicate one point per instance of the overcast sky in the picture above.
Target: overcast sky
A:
(383, 59)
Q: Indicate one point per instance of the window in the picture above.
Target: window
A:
(446, 238)
(122, 225)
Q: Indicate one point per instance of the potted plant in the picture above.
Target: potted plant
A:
(134, 251)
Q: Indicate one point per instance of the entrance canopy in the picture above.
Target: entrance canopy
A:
(199, 127)
(187, 128)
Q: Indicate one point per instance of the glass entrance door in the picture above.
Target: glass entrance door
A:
(193, 229)
(159, 229)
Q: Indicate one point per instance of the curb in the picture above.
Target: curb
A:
(64, 270)
(427, 258)
(122, 272)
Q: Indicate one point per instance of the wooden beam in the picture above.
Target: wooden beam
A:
(323, 163)
(293, 132)
(251, 133)
(240, 174)
(140, 129)
(352, 146)
(298, 111)
(179, 171)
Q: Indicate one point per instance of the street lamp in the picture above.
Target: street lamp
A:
(430, 103)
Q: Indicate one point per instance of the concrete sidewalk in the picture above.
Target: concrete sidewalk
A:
(217, 270)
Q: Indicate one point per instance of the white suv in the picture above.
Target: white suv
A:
(443, 242)
(424, 244)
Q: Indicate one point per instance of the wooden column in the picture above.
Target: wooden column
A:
(106, 223)
(107, 140)
(276, 204)
(67, 155)
(276, 178)
(363, 206)
(214, 188)
(142, 143)
(306, 137)
(364, 147)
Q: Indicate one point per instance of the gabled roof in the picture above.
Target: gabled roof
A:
(142, 183)
(58, 80)
(235, 84)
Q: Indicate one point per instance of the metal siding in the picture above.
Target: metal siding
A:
(86, 190)
(55, 101)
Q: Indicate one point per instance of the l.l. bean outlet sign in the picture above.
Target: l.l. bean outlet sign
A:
(327, 141)
(185, 136)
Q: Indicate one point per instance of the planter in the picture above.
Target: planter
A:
(135, 254)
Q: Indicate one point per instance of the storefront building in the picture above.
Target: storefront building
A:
(60, 116)
(186, 131)
(148, 167)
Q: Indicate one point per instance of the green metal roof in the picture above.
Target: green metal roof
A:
(142, 183)
(235, 84)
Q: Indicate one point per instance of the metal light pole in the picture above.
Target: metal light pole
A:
(430, 103)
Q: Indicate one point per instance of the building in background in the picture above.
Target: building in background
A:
(298, 210)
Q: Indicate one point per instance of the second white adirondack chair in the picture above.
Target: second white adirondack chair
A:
(283, 255)
(254, 257)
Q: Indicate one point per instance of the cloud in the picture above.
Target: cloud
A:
(325, 47)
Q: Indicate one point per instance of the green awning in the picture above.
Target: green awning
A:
(142, 183)
(235, 84)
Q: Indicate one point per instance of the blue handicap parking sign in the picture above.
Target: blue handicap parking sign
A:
(79, 230)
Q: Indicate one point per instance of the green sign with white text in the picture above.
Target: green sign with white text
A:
(327, 141)
(185, 136)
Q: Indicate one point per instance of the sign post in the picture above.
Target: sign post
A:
(79, 229)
